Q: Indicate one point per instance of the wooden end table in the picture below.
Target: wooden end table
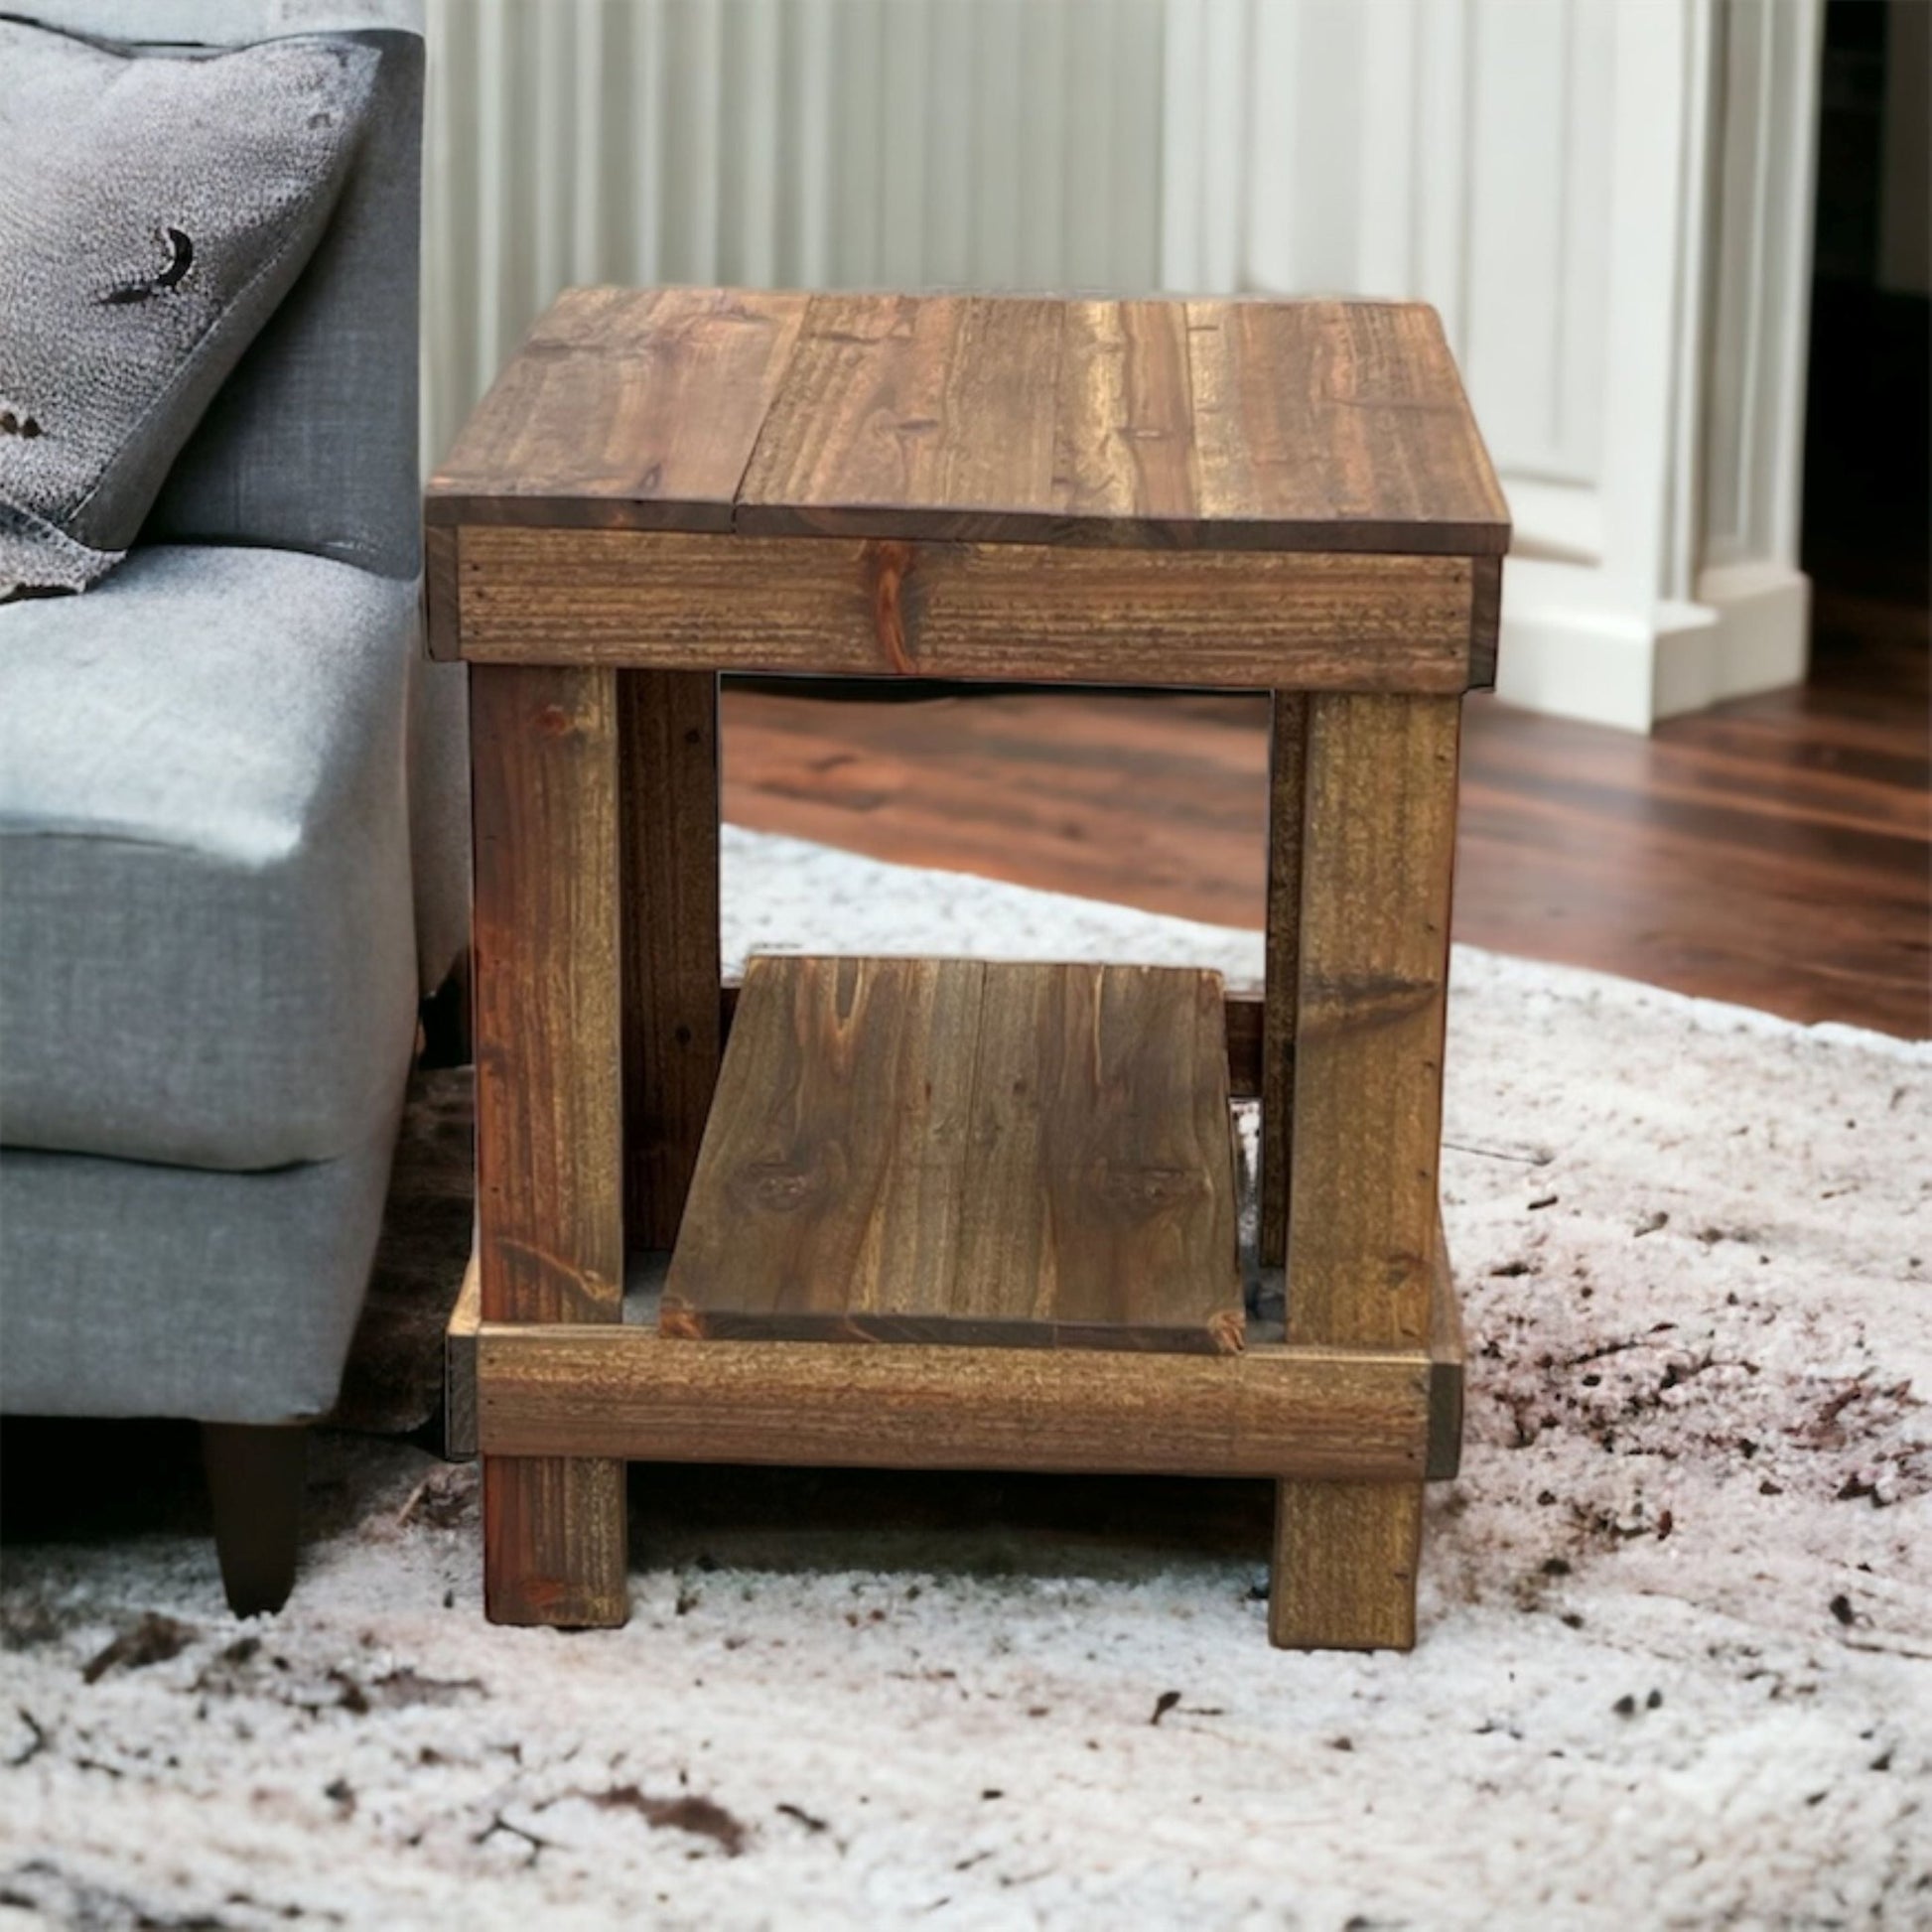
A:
(944, 1214)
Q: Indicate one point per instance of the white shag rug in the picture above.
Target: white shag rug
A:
(1676, 1657)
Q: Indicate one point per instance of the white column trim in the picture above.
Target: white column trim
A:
(1623, 601)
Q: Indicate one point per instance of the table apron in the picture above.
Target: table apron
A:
(1270, 1411)
(1314, 620)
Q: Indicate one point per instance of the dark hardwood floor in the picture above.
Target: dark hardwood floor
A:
(1773, 852)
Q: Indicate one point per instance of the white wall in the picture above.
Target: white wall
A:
(802, 143)
(1609, 200)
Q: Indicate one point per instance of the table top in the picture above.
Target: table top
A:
(1205, 423)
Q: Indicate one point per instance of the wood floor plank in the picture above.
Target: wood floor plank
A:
(1162, 802)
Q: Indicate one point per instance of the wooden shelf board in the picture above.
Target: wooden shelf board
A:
(1241, 1015)
(958, 1151)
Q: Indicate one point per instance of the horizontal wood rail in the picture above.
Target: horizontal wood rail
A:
(530, 1381)
(852, 606)
(551, 1390)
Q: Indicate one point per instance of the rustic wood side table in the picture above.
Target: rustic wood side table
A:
(944, 1214)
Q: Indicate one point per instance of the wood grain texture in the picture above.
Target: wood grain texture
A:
(1447, 1368)
(911, 416)
(1346, 1558)
(1287, 764)
(441, 634)
(636, 408)
(828, 1191)
(1378, 846)
(951, 1151)
(1774, 852)
(460, 1367)
(1123, 421)
(842, 606)
(1241, 1019)
(554, 1539)
(991, 418)
(1339, 425)
(1244, 1017)
(544, 791)
(1485, 622)
(1099, 1168)
(549, 1171)
(672, 1023)
(554, 1391)
(1201, 424)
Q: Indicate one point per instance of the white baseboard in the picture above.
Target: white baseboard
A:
(1572, 649)
(1763, 640)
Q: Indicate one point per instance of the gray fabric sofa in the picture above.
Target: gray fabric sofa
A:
(233, 858)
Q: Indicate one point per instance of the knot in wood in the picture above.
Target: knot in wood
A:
(888, 565)
(780, 1186)
(1145, 1187)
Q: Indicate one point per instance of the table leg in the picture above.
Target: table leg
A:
(673, 1035)
(1287, 762)
(549, 1179)
(1377, 855)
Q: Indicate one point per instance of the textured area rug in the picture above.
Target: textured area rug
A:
(1676, 1658)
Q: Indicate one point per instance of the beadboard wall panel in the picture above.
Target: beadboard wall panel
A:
(799, 143)
(1607, 199)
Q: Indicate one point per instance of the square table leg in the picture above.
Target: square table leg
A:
(673, 1032)
(1286, 768)
(549, 1132)
(1376, 854)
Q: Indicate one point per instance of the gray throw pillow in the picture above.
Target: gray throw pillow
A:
(154, 209)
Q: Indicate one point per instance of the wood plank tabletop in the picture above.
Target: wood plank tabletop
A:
(955, 1150)
(632, 409)
(1217, 424)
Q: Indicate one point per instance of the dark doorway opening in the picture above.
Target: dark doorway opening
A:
(1868, 428)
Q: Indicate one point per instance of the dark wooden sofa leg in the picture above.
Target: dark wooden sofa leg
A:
(254, 1479)
(445, 1018)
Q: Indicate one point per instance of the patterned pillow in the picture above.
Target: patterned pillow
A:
(154, 209)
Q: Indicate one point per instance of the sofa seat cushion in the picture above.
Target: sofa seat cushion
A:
(206, 946)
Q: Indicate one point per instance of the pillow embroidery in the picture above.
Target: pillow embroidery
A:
(154, 211)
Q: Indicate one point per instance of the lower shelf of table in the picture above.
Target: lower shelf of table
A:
(971, 1152)
(1275, 1408)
